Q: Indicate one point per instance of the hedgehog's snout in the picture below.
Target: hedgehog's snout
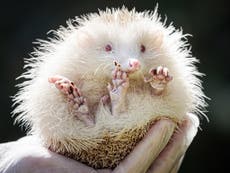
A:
(134, 64)
(131, 65)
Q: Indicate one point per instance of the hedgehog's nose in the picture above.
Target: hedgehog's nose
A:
(134, 64)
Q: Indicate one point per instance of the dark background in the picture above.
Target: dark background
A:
(208, 21)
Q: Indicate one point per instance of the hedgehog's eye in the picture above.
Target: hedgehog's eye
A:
(142, 48)
(108, 48)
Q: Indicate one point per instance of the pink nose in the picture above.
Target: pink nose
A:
(134, 64)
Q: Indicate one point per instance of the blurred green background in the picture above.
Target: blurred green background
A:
(208, 21)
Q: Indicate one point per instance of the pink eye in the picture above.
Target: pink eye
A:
(143, 48)
(108, 48)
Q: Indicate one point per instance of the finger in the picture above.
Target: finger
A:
(174, 151)
(148, 148)
(177, 165)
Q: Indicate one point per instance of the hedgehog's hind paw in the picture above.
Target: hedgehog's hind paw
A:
(75, 99)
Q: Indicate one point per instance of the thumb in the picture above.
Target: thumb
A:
(148, 148)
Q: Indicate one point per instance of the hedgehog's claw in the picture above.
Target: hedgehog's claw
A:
(159, 79)
(76, 101)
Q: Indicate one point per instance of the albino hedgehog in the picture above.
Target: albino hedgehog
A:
(116, 72)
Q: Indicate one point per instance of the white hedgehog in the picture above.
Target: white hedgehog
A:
(116, 72)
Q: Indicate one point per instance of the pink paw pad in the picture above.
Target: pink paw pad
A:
(119, 79)
(65, 86)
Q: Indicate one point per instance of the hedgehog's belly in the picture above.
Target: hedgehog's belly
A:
(113, 137)
(109, 152)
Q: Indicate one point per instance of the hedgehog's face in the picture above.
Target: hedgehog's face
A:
(132, 46)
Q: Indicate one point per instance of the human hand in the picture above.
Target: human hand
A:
(151, 155)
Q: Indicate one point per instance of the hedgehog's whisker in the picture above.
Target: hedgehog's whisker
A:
(106, 66)
(95, 72)
(159, 54)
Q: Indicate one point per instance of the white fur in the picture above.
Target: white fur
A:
(77, 52)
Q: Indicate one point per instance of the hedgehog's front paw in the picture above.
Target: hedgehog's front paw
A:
(159, 79)
(118, 90)
(76, 100)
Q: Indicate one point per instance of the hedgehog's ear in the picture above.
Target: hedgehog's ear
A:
(83, 38)
(158, 38)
